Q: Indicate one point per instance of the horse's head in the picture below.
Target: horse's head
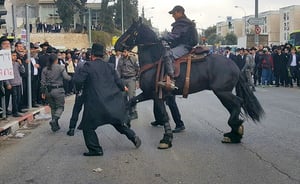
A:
(138, 33)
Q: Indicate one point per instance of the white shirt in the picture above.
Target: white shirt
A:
(35, 70)
(294, 62)
(117, 61)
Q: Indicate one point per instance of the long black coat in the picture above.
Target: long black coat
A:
(103, 99)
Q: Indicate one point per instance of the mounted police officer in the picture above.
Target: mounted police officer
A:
(181, 39)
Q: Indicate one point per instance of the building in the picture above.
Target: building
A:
(289, 21)
(44, 11)
(271, 26)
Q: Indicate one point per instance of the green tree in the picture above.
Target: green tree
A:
(230, 39)
(106, 15)
(215, 39)
(210, 31)
(130, 12)
(66, 10)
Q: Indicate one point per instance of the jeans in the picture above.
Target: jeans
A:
(266, 76)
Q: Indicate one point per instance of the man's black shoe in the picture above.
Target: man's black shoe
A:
(22, 111)
(8, 112)
(178, 129)
(17, 115)
(71, 132)
(133, 115)
(35, 105)
(157, 123)
(137, 142)
(89, 154)
(54, 126)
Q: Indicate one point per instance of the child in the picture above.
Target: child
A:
(15, 84)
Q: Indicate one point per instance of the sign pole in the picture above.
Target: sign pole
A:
(28, 57)
(256, 36)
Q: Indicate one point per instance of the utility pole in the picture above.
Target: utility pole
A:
(28, 55)
(122, 16)
(256, 37)
(90, 27)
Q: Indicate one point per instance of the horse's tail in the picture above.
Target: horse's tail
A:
(250, 105)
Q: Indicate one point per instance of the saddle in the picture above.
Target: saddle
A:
(197, 54)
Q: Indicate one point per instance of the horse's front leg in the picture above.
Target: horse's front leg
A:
(139, 98)
(166, 141)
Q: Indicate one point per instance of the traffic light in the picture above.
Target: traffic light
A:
(229, 20)
(229, 25)
(2, 20)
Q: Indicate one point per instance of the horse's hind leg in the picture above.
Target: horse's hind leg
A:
(233, 104)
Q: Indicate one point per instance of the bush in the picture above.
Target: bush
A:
(103, 38)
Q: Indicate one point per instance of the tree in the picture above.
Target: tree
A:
(145, 21)
(106, 14)
(130, 12)
(215, 39)
(230, 39)
(66, 10)
(209, 31)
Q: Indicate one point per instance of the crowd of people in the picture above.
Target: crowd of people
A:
(267, 66)
(48, 28)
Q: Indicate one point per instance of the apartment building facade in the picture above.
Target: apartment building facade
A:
(289, 21)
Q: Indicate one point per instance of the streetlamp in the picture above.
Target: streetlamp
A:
(122, 16)
(245, 22)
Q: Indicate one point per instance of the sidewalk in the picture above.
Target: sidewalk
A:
(11, 124)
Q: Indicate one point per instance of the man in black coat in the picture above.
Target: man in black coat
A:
(103, 101)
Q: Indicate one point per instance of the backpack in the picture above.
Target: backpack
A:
(193, 35)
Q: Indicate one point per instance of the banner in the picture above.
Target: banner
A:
(6, 68)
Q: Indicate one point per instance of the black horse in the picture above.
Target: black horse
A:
(216, 73)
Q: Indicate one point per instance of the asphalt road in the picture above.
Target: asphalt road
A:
(269, 152)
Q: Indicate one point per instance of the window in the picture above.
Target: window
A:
(284, 36)
(284, 16)
(287, 16)
(288, 26)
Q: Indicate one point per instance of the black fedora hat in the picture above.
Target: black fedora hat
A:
(45, 44)
(97, 50)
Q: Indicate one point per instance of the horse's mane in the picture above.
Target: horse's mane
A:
(147, 34)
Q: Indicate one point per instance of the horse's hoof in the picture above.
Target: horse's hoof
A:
(164, 146)
(165, 143)
(241, 130)
(227, 140)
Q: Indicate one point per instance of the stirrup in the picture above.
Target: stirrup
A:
(168, 85)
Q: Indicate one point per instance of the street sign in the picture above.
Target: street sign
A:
(257, 29)
(256, 21)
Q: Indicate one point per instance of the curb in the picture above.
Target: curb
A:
(11, 125)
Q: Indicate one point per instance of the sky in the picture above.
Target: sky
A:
(205, 12)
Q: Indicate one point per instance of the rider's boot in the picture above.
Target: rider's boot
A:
(169, 84)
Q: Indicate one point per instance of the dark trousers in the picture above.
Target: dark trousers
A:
(171, 102)
(8, 93)
(34, 88)
(24, 98)
(76, 110)
(91, 138)
(257, 75)
(295, 75)
(16, 98)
